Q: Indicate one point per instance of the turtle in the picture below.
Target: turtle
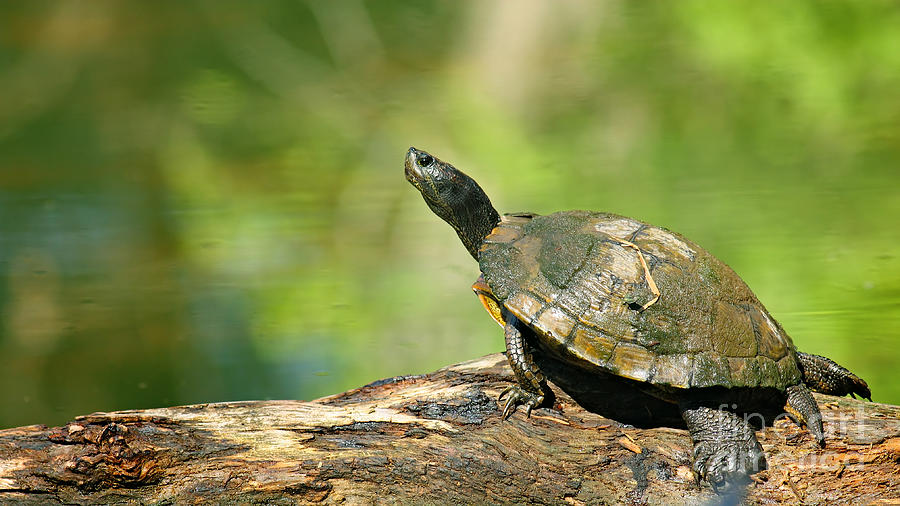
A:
(616, 299)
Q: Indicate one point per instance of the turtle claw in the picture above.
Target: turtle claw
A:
(517, 396)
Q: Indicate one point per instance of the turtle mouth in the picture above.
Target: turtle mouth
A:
(412, 170)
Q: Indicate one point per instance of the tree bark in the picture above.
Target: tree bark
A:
(434, 438)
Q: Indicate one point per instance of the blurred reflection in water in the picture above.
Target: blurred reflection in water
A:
(205, 202)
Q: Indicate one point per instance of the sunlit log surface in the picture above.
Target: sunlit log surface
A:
(436, 438)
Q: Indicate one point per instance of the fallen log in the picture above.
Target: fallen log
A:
(434, 438)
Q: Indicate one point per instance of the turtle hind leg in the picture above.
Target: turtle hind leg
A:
(530, 382)
(825, 376)
(801, 406)
(726, 451)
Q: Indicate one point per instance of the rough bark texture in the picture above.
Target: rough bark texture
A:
(436, 438)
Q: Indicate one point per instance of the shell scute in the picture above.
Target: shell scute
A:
(674, 370)
(632, 361)
(710, 369)
(592, 347)
(554, 322)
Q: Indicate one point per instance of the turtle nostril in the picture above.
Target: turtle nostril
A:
(424, 159)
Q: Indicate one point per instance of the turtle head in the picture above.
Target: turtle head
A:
(453, 196)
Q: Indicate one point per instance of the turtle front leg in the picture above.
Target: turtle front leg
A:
(726, 451)
(825, 376)
(529, 389)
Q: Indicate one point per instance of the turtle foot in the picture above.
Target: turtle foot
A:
(726, 451)
(519, 396)
(801, 407)
(727, 465)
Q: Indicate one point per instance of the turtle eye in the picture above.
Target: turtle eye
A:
(424, 159)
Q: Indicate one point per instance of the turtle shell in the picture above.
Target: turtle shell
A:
(570, 277)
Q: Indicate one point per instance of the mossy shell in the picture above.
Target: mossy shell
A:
(569, 277)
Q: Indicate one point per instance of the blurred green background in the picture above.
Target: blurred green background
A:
(205, 201)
